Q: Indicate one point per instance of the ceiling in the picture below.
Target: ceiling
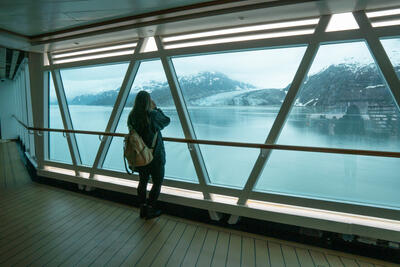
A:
(49, 25)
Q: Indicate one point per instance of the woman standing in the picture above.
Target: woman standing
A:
(146, 119)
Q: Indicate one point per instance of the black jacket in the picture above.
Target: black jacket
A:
(158, 121)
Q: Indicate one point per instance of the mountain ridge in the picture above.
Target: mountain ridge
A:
(335, 85)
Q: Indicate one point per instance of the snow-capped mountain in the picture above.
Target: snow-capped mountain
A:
(334, 86)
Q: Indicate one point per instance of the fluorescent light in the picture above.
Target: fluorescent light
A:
(241, 38)
(386, 23)
(383, 13)
(127, 52)
(342, 22)
(94, 50)
(243, 29)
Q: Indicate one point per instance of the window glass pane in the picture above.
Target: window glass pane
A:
(151, 77)
(58, 145)
(346, 178)
(392, 47)
(235, 97)
(344, 102)
(91, 93)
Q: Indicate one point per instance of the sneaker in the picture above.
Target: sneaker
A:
(143, 210)
(152, 213)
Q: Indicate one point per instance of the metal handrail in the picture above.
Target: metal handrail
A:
(360, 152)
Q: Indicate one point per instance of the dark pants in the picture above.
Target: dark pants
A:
(156, 170)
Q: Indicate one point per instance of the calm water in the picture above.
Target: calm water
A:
(371, 180)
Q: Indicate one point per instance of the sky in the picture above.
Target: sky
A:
(268, 68)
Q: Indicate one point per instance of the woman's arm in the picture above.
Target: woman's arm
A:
(159, 119)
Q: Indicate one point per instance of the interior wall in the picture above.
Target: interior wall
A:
(8, 107)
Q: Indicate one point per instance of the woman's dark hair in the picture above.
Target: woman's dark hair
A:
(140, 112)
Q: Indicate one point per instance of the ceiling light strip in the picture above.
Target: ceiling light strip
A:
(246, 29)
(242, 38)
(99, 54)
(270, 31)
(386, 23)
(94, 50)
(383, 13)
(89, 57)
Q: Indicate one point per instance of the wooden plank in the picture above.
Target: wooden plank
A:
(207, 251)
(119, 256)
(20, 200)
(78, 246)
(248, 252)
(364, 264)
(347, 262)
(318, 258)
(3, 183)
(29, 201)
(19, 168)
(193, 252)
(169, 245)
(180, 250)
(221, 249)
(15, 193)
(39, 244)
(95, 250)
(262, 254)
(7, 165)
(138, 251)
(152, 251)
(234, 256)
(304, 257)
(107, 254)
(334, 261)
(37, 217)
(275, 254)
(27, 227)
(290, 256)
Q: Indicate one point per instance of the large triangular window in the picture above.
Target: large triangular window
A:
(58, 145)
(235, 97)
(91, 93)
(151, 78)
(343, 103)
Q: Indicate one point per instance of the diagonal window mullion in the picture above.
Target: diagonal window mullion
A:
(117, 109)
(273, 135)
(65, 115)
(183, 114)
(379, 54)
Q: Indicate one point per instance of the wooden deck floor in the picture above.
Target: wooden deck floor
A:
(45, 226)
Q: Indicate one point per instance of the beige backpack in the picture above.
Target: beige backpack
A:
(136, 152)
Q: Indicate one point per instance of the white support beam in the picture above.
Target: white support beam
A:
(275, 131)
(3, 59)
(29, 106)
(379, 54)
(38, 97)
(66, 116)
(184, 118)
(14, 59)
(117, 110)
